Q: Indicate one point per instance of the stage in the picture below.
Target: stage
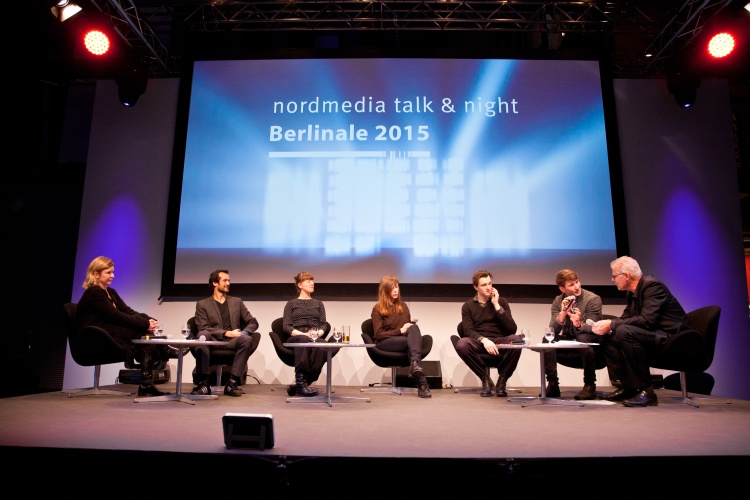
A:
(394, 444)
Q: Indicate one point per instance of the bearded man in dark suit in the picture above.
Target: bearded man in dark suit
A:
(222, 317)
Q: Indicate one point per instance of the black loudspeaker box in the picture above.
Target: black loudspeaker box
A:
(133, 375)
(431, 371)
(248, 430)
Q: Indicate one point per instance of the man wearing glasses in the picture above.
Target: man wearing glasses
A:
(651, 315)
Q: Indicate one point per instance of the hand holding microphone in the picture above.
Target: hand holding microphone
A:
(569, 303)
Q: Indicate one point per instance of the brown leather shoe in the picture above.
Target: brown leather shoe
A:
(588, 392)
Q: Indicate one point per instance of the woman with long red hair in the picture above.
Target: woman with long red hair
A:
(395, 331)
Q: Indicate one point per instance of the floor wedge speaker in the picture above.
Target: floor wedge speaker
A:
(248, 430)
(431, 371)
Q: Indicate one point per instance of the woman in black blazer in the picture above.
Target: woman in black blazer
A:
(101, 306)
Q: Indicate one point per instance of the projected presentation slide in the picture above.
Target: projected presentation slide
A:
(427, 169)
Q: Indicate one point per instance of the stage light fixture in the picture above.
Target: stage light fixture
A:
(64, 9)
(98, 48)
(721, 45)
(131, 84)
(683, 86)
(96, 42)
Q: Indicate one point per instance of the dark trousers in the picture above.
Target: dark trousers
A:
(242, 346)
(411, 343)
(469, 351)
(634, 346)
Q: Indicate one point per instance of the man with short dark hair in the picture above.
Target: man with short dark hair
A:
(222, 317)
(570, 310)
(651, 315)
(487, 322)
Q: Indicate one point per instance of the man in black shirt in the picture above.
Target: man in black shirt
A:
(487, 322)
(651, 315)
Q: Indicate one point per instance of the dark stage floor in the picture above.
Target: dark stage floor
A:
(394, 444)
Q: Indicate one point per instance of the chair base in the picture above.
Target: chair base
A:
(95, 391)
(685, 399)
(393, 389)
(479, 389)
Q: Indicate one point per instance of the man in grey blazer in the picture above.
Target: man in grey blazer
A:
(221, 317)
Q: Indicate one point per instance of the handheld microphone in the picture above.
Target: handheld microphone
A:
(202, 338)
(590, 322)
(571, 302)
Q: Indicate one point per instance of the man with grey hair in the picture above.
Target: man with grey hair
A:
(651, 315)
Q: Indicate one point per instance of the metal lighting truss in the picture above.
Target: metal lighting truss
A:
(643, 34)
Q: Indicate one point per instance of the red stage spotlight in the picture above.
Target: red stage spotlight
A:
(721, 45)
(95, 37)
(96, 41)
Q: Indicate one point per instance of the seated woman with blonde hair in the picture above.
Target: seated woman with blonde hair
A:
(101, 305)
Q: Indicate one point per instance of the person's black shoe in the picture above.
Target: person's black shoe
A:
(500, 387)
(202, 389)
(646, 397)
(588, 392)
(150, 391)
(423, 390)
(487, 387)
(553, 390)
(231, 389)
(620, 394)
(291, 389)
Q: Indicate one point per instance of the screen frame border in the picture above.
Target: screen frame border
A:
(170, 290)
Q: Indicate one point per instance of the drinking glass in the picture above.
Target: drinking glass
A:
(159, 330)
(346, 330)
(525, 335)
(549, 334)
(313, 333)
(337, 334)
(185, 331)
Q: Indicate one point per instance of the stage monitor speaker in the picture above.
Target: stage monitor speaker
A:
(248, 430)
(431, 371)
